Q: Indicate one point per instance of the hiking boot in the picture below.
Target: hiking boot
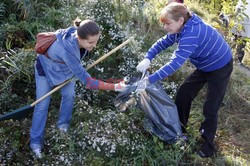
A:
(206, 150)
(203, 155)
(63, 130)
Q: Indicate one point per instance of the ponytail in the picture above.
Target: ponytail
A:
(77, 22)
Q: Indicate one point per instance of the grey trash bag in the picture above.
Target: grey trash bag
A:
(161, 116)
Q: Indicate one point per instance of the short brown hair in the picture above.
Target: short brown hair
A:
(175, 11)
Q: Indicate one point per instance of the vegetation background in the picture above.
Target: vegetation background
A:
(100, 134)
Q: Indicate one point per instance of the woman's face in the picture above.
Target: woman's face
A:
(89, 43)
(172, 26)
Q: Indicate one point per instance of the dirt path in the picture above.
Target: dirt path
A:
(243, 69)
(246, 70)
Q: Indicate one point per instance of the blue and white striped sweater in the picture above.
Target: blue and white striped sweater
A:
(197, 41)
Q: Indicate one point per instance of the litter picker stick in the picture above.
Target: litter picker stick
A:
(25, 110)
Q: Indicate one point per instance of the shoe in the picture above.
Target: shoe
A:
(37, 152)
(205, 153)
(202, 155)
(63, 130)
(207, 148)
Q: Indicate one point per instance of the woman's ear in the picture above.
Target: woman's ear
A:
(79, 41)
(181, 20)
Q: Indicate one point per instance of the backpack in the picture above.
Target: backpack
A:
(43, 41)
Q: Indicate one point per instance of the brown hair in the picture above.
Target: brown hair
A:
(86, 28)
(175, 11)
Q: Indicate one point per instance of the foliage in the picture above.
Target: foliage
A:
(20, 19)
(233, 32)
(104, 136)
(16, 78)
(2, 11)
(112, 34)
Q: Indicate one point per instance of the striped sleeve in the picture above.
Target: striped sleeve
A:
(186, 47)
(162, 44)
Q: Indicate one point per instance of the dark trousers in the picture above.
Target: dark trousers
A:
(217, 82)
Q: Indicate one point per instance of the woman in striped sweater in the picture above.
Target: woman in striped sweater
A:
(208, 52)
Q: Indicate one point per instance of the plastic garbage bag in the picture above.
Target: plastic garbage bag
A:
(161, 115)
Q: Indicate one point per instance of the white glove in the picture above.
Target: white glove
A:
(143, 65)
(120, 87)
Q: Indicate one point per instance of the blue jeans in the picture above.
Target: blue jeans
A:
(41, 110)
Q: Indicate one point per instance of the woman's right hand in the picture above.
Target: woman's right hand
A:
(120, 87)
(143, 65)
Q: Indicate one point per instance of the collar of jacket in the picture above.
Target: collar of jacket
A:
(195, 19)
(68, 39)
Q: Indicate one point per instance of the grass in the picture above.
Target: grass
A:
(106, 137)
(233, 131)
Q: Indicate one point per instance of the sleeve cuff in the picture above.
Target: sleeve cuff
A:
(149, 57)
(92, 83)
(154, 78)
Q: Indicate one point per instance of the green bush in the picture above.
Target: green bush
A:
(17, 82)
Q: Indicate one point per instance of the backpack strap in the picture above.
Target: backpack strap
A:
(47, 55)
